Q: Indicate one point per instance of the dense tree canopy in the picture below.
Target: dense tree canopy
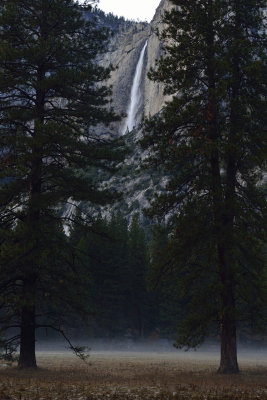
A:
(116, 259)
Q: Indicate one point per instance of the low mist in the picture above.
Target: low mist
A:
(161, 348)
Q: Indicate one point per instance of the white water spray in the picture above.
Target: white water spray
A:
(135, 93)
(68, 214)
(129, 125)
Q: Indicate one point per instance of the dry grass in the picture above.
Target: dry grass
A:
(133, 376)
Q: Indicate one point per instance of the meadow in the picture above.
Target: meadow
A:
(135, 376)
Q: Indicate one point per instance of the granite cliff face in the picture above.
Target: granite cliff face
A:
(123, 53)
(125, 48)
(153, 92)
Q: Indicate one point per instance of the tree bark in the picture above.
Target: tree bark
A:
(27, 357)
(223, 221)
(228, 363)
(228, 319)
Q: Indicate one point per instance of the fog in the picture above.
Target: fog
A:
(160, 349)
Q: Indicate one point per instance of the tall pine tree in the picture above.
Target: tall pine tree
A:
(52, 96)
(210, 137)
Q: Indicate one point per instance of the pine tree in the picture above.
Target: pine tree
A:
(163, 282)
(52, 96)
(138, 260)
(210, 138)
(116, 279)
(103, 252)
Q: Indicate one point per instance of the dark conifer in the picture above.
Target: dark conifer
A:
(138, 260)
(211, 138)
(52, 98)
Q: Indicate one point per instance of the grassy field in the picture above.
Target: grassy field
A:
(134, 376)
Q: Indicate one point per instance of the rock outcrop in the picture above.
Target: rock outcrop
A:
(123, 53)
(154, 98)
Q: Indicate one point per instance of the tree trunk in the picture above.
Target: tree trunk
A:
(223, 222)
(228, 363)
(27, 341)
(27, 357)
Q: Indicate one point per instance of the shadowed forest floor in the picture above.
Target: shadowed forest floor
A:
(134, 376)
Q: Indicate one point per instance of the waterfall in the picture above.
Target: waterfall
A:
(68, 214)
(129, 125)
(135, 93)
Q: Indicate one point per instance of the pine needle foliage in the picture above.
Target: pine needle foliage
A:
(211, 139)
(53, 98)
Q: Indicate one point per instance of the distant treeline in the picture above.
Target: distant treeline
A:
(110, 20)
(124, 296)
(116, 256)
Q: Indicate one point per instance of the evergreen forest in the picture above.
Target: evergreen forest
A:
(189, 268)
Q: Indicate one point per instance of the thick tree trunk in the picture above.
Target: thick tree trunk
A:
(27, 357)
(228, 363)
(27, 324)
(228, 321)
(223, 221)
(27, 341)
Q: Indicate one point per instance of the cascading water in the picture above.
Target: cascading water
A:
(68, 214)
(135, 94)
(129, 124)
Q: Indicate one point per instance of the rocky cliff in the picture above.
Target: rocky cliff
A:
(123, 53)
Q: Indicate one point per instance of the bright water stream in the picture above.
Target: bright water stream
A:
(135, 93)
(129, 124)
